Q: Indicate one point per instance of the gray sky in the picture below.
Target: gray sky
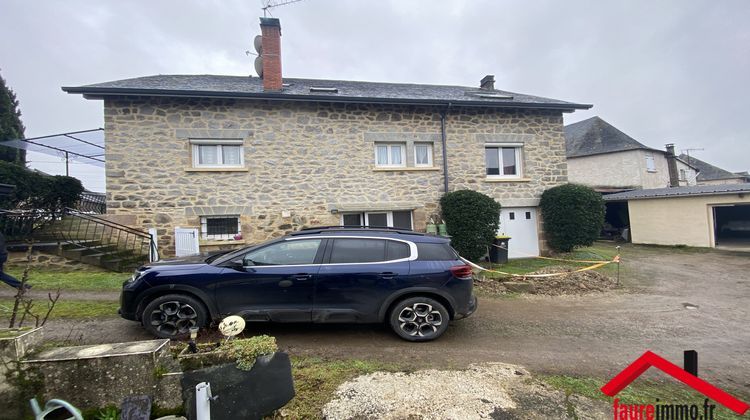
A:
(661, 71)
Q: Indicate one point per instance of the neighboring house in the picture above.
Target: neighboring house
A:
(260, 157)
(701, 215)
(601, 156)
(712, 175)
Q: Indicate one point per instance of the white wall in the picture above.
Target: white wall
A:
(623, 170)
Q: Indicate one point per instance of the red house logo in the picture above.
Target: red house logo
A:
(648, 359)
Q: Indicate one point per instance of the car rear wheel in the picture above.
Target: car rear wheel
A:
(172, 316)
(419, 319)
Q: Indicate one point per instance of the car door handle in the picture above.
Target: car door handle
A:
(301, 277)
(387, 275)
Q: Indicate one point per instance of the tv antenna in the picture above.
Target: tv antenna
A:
(687, 152)
(270, 4)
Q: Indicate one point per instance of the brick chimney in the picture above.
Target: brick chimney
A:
(270, 29)
(674, 180)
(487, 83)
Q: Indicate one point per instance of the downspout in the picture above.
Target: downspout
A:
(445, 151)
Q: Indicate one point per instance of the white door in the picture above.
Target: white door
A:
(521, 225)
(185, 242)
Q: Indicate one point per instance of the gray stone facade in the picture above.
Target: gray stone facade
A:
(307, 162)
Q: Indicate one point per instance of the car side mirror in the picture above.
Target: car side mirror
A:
(236, 265)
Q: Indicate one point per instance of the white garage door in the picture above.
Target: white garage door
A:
(521, 225)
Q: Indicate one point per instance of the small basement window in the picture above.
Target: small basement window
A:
(220, 227)
(401, 219)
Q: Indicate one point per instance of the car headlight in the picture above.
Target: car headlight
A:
(135, 276)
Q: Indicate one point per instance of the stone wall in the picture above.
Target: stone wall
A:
(306, 162)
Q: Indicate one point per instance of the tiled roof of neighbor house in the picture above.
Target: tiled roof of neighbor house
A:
(595, 136)
(706, 171)
(300, 89)
(695, 190)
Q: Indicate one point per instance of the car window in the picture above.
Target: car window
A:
(357, 251)
(435, 252)
(285, 253)
(397, 250)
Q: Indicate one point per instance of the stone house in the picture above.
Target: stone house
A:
(243, 159)
(603, 157)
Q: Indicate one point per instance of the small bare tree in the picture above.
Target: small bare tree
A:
(23, 304)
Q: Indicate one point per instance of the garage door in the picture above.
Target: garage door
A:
(520, 224)
(732, 226)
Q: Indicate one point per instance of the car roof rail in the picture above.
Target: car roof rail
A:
(353, 228)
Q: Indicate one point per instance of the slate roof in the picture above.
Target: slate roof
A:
(707, 172)
(299, 89)
(695, 190)
(595, 136)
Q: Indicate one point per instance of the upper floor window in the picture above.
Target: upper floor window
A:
(390, 155)
(503, 161)
(218, 153)
(423, 155)
(650, 164)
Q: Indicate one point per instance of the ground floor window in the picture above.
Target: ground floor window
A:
(220, 227)
(401, 219)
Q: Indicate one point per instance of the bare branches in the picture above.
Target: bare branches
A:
(23, 304)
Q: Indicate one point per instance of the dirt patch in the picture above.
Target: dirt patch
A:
(574, 283)
(490, 390)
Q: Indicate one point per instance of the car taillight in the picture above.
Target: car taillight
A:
(462, 271)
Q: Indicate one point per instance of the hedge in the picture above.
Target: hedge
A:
(35, 190)
(472, 219)
(573, 216)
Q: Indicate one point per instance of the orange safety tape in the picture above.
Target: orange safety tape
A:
(559, 259)
(598, 264)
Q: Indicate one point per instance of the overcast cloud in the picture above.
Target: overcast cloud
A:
(661, 71)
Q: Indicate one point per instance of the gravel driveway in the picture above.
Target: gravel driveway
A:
(673, 300)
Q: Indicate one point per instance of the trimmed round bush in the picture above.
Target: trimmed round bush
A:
(573, 216)
(472, 219)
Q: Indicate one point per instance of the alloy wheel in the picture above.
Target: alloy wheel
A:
(419, 319)
(173, 317)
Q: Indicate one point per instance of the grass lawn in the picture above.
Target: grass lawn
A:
(603, 251)
(639, 392)
(70, 309)
(71, 280)
(315, 381)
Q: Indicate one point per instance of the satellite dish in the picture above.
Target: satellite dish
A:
(258, 42)
(259, 65)
(231, 326)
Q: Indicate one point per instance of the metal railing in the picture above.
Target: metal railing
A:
(22, 226)
(91, 202)
(84, 230)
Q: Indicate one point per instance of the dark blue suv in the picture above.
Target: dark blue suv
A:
(416, 283)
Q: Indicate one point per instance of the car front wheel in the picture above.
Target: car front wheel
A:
(419, 319)
(172, 316)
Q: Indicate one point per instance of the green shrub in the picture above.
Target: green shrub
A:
(573, 216)
(245, 351)
(35, 190)
(472, 219)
